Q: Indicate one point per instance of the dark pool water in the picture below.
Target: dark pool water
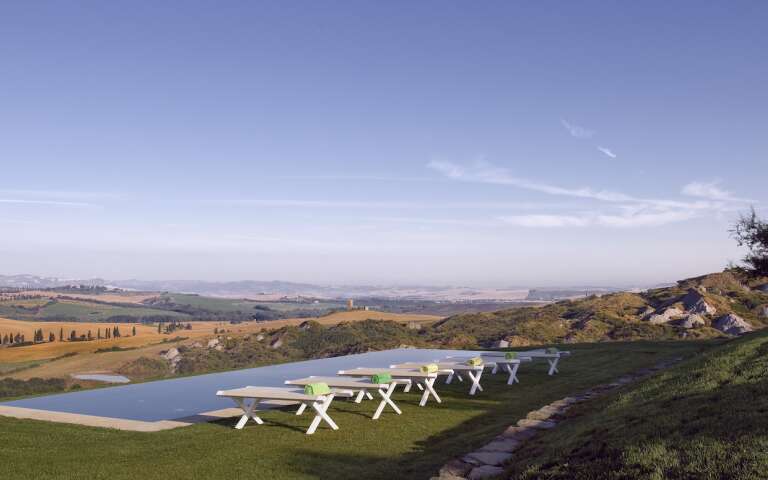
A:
(183, 397)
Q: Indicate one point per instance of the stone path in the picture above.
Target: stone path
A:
(487, 462)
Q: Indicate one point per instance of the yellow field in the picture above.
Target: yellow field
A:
(147, 341)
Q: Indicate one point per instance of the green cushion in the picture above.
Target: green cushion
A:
(510, 355)
(429, 368)
(475, 362)
(381, 378)
(317, 389)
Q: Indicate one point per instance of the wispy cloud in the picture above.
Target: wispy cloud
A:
(58, 194)
(622, 220)
(711, 191)
(545, 221)
(575, 130)
(55, 203)
(606, 151)
(622, 210)
(367, 204)
(485, 173)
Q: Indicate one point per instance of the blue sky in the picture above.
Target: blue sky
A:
(492, 143)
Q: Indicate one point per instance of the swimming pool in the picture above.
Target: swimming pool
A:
(188, 396)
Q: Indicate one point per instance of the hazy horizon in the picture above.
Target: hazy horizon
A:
(393, 143)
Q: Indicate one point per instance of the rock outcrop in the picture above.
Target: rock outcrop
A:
(732, 324)
(666, 316)
(213, 343)
(692, 320)
(694, 302)
(173, 356)
(500, 344)
(276, 343)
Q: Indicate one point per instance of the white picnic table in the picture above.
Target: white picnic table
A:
(453, 369)
(361, 386)
(551, 358)
(425, 381)
(509, 365)
(319, 403)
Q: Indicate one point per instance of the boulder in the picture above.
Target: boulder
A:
(260, 337)
(276, 342)
(666, 316)
(646, 312)
(212, 343)
(500, 344)
(732, 324)
(171, 354)
(692, 320)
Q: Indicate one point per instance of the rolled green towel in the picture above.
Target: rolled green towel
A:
(381, 378)
(429, 368)
(510, 355)
(552, 350)
(317, 389)
(475, 362)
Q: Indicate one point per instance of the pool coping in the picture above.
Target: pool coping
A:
(126, 424)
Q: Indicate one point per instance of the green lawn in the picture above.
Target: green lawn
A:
(705, 418)
(412, 446)
(94, 312)
(218, 304)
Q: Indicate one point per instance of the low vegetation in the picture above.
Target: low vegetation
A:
(705, 418)
(10, 387)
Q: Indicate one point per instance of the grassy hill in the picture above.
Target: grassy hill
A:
(706, 418)
(617, 316)
(49, 309)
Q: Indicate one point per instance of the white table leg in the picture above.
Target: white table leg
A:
(386, 400)
(512, 369)
(321, 415)
(449, 379)
(553, 365)
(475, 377)
(429, 390)
(495, 369)
(368, 395)
(359, 396)
(301, 409)
(247, 412)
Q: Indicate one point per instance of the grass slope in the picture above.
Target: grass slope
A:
(412, 446)
(612, 317)
(706, 418)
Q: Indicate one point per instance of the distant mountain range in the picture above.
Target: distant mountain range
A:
(268, 290)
